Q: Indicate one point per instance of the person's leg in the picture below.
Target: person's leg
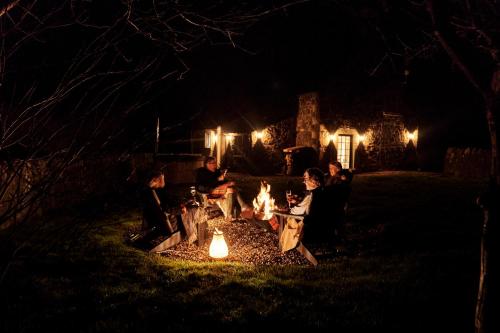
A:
(227, 204)
(243, 205)
(222, 203)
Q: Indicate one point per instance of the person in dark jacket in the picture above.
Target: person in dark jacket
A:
(337, 192)
(155, 214)
(211, 181)
(314, 208)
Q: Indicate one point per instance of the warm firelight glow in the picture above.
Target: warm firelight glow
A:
(263, 204)
(259, 135)
(361, 138)
(332, 137)
(411, 136)
(218, 247)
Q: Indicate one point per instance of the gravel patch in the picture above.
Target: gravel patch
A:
(247, 242)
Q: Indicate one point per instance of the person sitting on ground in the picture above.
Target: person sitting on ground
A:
(212, 182)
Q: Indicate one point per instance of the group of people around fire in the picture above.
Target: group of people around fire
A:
(322, 206)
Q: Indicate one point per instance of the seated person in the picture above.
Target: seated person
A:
(313, 180)
(160, 219)
(338, 179)
(314, 227)
(212, 182)
(336, 174)
(337, 191)
(155, 215)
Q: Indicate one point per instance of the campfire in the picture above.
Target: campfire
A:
(263, 203)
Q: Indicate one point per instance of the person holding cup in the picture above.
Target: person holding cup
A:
(212, 182)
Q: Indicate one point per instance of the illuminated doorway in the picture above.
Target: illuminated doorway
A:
(344, 148)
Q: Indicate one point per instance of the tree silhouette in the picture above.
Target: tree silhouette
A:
(260, 163)
(467, 33)
(362, 159)
(59, 105)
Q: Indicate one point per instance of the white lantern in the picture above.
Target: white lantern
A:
(218, 247)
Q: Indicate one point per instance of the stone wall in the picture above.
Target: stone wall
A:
(467, 162)
(180, 169)
(106, 176)
(281, 134)
(99, 180)
(34, 187)
(385, 144)
(278, 137)
(308, 121)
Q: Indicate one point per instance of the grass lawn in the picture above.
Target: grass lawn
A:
(414, 268)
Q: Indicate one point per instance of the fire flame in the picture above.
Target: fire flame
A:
(263, 203)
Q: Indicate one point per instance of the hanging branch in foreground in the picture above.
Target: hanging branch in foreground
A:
(61, 104)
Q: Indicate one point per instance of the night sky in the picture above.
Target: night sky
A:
(333, 47)
(320, 47)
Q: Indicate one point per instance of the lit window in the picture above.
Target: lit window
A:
(344, 150)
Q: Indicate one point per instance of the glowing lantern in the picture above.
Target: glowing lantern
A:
(361, 138)
(218, 247)
(259, 135)
(411, 136)
(331, 137)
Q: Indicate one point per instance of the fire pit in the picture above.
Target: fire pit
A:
(263, 204)
(246, 243)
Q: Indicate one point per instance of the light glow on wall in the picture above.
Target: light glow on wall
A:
(262, 135)
(229, 138)
(413, 136)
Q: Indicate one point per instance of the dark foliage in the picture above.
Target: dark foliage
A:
(329, 155)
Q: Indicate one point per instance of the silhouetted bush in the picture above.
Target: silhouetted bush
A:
(409, 161)
(362, 160)
(329, 155)
(260, 162)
